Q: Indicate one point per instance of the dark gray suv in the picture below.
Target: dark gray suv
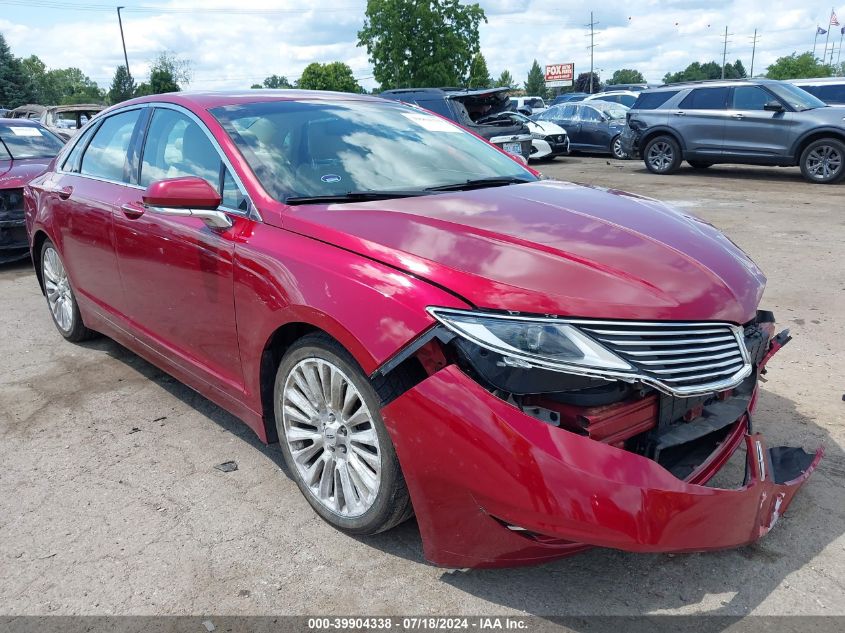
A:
(753, 122)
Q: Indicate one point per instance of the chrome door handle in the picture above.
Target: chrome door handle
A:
(738, 116)
(680, 113)
(132, 210)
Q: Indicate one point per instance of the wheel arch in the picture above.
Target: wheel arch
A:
(38, 239)
(815, 135)
(653, 133)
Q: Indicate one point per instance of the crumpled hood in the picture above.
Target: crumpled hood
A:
(17, 173)
(551, 248)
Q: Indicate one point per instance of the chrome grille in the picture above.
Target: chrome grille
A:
(684, 358)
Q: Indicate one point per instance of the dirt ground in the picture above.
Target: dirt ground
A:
(110, 503)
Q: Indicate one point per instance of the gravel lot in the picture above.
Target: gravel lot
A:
(110, 503)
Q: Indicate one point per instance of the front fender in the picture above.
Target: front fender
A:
(370, 308)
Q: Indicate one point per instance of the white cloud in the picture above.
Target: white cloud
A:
(233, 50)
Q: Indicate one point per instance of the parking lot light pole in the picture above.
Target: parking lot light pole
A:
(123, 41)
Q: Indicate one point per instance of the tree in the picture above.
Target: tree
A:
(505, 80)
(275, 82)
(36, 74)
(168, 73)
(582, 83)
(122, 86)
(334, 76)
(479, 76)
(626, 76)
(15, 89)
(535, 85)
(413, 44)
(710, 70)
(797, 66)
(71, 85)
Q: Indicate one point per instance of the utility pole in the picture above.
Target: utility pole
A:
(753, 51)
(592, 47)
(123, 41)
(725, 52)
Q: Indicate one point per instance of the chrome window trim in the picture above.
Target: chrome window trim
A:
(251, 211)
(632, 376)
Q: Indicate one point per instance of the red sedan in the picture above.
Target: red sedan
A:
(531, 367)
(26, 149)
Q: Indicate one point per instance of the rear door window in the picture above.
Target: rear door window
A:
(653, 100)
(706, 99)
(107, 153)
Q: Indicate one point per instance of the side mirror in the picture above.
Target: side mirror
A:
(526, 110)
(188, 196)
(773, 106)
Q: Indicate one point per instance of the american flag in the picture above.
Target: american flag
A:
(834, 21)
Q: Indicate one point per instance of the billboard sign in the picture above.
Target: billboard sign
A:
(559, 75)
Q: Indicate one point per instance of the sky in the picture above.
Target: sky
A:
(235, 43)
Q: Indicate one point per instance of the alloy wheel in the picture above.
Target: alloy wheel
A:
(617, 150)
(660, 156)
(331, 437)
(57, 287)
(824, 162)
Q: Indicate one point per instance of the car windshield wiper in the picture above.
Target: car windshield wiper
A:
(479, 183)
(354, 196)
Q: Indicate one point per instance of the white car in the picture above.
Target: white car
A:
(535, 103)
(831, 90)
(547, 139)
(624, 97)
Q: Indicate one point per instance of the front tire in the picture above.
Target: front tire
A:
(60, 297)
(334, 441)
(662, 155)
(823, 161)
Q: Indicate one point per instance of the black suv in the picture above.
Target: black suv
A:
(753, 122)
(477, 110)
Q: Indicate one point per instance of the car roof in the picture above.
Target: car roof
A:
(30, 107)
(206, 100)
(446, 92)
(817, 80)
(20, 122)
(76, 106)
(598, 95)
(713, 83)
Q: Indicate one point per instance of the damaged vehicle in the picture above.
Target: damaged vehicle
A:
(477, 110)
(26, 149)
(64, 121)
(548, 140)
(427, 327)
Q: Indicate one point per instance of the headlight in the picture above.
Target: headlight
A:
(542, 342)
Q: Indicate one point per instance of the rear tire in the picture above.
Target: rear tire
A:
(60, 297)
(662, 155)
(697, 164)
(823, 161)
(334, 441)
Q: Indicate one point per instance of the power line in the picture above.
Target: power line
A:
(148, 9)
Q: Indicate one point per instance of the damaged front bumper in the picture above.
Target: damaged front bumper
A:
(493, 486)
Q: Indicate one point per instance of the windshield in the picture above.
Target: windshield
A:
(27, 141)
(611, 110)
(319, 148)
(796, 97)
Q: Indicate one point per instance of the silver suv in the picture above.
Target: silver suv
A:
(753, 122)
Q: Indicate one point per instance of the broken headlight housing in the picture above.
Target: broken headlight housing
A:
(531, 341)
